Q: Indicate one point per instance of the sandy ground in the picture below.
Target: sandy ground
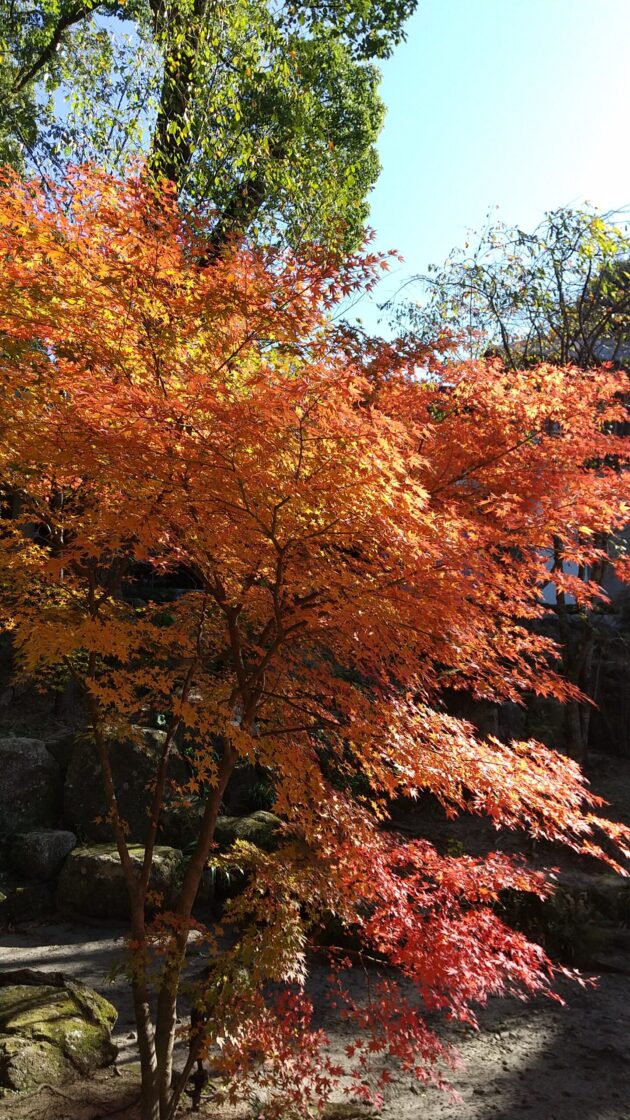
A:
(527, 1062)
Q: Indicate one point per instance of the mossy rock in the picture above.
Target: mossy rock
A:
(59, 1017)
(259, 828)
(347, 1111)
(25, 1064)
(51, 1032)
(92, 882)
(610, 894)
(180, 824)
(587, 915)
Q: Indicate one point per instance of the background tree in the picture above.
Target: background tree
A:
(363, 532)
(560, 294)
(266, 113)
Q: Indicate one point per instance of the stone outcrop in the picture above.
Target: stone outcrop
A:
(248, 790)
(52, 1030)
(30, 783)
(62, 746)
(584, 920)
(180, 823)
(92, 883)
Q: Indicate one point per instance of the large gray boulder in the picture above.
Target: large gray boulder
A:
(52, 1030)
(40, 854)
(180, 823)
(30, 786)
(26, 1063)
(62, 746)
(133, 765)
(92, 883)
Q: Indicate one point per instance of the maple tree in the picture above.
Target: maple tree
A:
(364, 524)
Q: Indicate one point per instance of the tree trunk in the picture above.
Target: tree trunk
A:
(149, 1102)
(150, 1096)
(575, 742)
(166, 1017)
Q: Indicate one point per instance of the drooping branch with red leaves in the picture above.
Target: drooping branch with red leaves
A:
(362, 525)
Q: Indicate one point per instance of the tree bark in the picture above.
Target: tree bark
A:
(150, 1098)
(166, 1016)
(173, 142)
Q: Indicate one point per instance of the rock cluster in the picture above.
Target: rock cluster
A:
(57, 844)
(133, 769)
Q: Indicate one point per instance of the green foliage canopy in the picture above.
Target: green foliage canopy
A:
(267, 113)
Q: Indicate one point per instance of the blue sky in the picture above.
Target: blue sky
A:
(520, 105)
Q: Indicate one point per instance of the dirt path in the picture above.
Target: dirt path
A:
(527, 1062)
(539, 1063)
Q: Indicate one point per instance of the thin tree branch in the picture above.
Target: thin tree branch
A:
(73, 16)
